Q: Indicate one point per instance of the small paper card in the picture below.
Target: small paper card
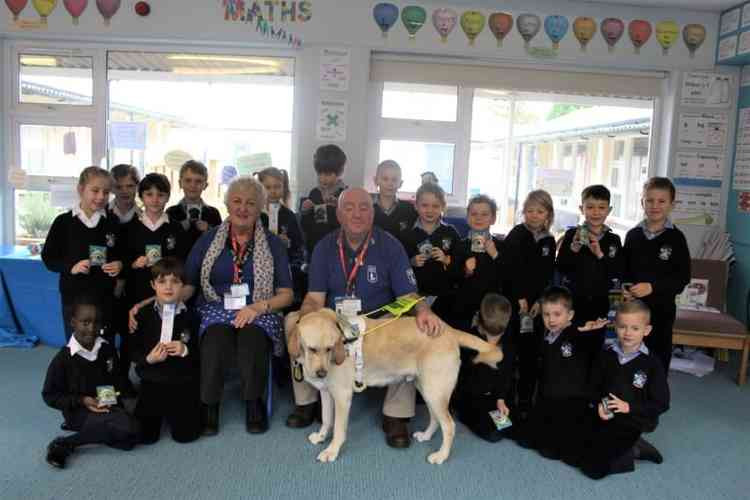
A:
(501, 422)
(106, 395)
(97, 255)
(194, 212)
(167, 323)
(527, 324)
(153, 254)
(320, 213)
(273, 218)
(232, 303)
(695, 294)
(403, 304)
(477, 241)
(425, 248)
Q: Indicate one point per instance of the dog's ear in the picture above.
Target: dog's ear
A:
(339, 351)
(328, 313)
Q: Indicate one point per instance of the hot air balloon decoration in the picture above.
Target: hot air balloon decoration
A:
(108, 8)
(694, 35)
(639, 32)
(528, 26)
(413, 18)
(472, 22)
(501, 24)
(666, 34)
(44, 8)
(556, 28)
(584, 29)
(612, 29)
(75, 8)
(16, 6)
(445, 21)
(386, 15)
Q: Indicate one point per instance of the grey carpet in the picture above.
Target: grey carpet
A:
(705, 439)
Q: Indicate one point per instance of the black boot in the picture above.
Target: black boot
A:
(210, 419)
(256, 421)
(303, 415)
(643, 450)
(58, 452)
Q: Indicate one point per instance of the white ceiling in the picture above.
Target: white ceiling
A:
(708, 5)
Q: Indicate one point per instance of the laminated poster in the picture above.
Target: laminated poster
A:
(730, 21)
(702, 130)
(335, 69)
(332, 120)
(701, 89)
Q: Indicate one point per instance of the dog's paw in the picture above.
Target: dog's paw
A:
(422, 436)
(317, 437)
(437, 458)
(328, 455)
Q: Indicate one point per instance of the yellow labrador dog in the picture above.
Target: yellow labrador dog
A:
(391, 354)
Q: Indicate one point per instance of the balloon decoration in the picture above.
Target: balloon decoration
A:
(445, 21)
(75, 8)
(501, 24)
(142, 8)
(16, 6)
(693, 35)
(612, 29)
(528, 25)
(107, 8)
(556, 28)
(639, 32)
(413, 18)
(44, 8)
(584, 28)
(385, 15)
(472, 22)
(667, 33)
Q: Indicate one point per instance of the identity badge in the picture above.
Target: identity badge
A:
(348, 306)
(97, 255)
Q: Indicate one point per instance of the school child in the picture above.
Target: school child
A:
(281, 221)
(83, 382)
(430, 245)
(151, 237)
(630, 392)
(482, 390)
(192, 212)
(165, 350)
(657, 264)
(319, 209)
(84, 247)
(394, 215)
(123, 206)
(478, 261)
(565, 363)
(529, 267)
(590, 259)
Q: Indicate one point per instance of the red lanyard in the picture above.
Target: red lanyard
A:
(239, 256)
(358, 261)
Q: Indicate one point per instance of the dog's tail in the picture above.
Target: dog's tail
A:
(489, 354)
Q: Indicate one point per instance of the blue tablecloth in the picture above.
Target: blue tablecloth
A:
(31, 299)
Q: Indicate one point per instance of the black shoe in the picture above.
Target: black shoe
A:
(396, 432)
(256, 421)
(643, 450)
(303, 415)
(65, 426)
(210, 419)
(58, 452)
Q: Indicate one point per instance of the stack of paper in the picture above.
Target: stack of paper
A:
(691, 361)
(716, 246)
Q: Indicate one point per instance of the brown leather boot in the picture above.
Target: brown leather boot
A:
(396, 432)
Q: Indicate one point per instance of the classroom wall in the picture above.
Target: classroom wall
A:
(349, 24)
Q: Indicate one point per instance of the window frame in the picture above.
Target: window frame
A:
(96, 116)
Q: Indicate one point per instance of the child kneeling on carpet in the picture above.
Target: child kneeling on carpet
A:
(165, 351)
(631, 392)
(482, 391)
(83, 381)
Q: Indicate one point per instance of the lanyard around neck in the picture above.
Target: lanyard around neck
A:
(358, 261)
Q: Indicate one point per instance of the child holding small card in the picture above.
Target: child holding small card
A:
(84, 246)
(192, 212)
(430, 245)
(151, 236)
(83, 382)
(319, 209)
(165, 351)
(477, 261)
(281, 221)
(482, 393)
(529, 268)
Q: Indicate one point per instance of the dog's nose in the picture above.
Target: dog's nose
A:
(321, 373)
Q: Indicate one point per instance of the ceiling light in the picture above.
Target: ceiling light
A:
(38, 61)
(222, 71)
(245, 60)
